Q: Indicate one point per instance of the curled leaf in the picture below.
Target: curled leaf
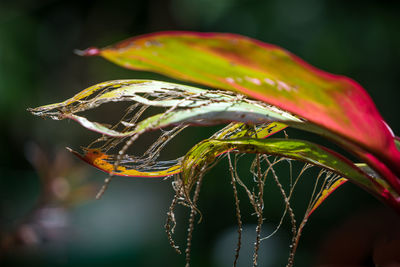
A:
(132, 167)
(186, 104)
(106, 162)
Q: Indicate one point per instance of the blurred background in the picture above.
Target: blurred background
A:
(48, 212)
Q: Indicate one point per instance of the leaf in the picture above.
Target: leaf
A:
(337, 106)
(106, 163)
(326, 193)
(205, 153)
(339, 182)
(187, 104)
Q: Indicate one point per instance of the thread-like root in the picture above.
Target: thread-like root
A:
(237, 209)
(171, 220)
(193, 212)
(288, 208)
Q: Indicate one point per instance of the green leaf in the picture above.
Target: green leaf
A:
(205, 153)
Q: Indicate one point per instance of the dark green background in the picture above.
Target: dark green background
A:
(359, 39)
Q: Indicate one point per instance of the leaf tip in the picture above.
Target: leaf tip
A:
(34, 111)
(74, 152)
(91, 51)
